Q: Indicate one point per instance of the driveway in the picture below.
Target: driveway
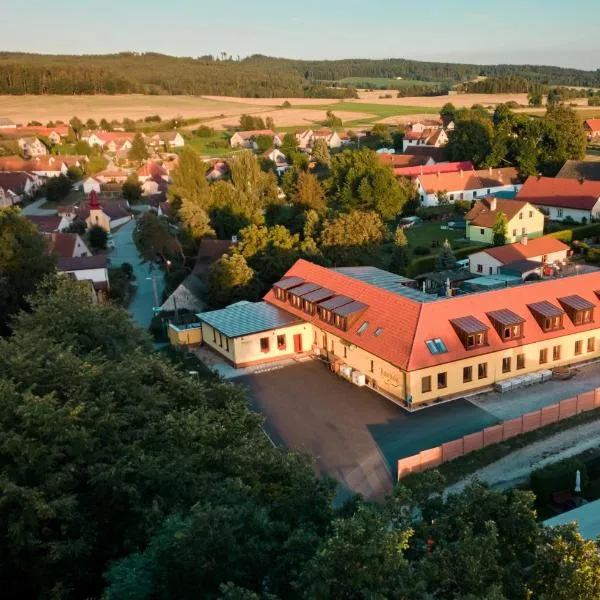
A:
(355, 435)
(34, 209)
(149, 281)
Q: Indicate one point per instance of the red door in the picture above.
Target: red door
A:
(298, 342)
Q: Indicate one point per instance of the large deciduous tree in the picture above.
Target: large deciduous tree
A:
(138, 151)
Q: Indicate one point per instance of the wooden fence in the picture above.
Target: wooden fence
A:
(428, 459)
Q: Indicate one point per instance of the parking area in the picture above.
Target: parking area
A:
(354, 434)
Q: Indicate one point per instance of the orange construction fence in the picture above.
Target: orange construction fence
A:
(428, 459)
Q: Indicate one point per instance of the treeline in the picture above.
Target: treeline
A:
(255, 76)
(522, 85)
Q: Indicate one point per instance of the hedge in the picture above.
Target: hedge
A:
(564, 235)
(425, 264)
(468, 250)
(585, 231)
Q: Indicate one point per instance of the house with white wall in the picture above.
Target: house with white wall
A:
(466, 185)
(561, 199)
(87, 268)
(32, 146)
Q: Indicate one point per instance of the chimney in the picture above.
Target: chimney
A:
(490, 170)
(492, 202)
(524, 239)
(461, 173)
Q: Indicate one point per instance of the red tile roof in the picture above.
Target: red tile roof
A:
(402, 160)
(15, 181)
(482, 215)
(407, 324)
(563, 193)
(45, 223)
(114, 209)
(81, 263)
(519, 251)
(438, 154)
(469, 180)
(63, 244)
(593, 124)
(13, 163)
(450, 167)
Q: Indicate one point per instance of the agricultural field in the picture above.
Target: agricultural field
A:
(384, 83)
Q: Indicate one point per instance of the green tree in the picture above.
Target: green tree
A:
(154, 239)
(138, 151)
(332, 120)
(289, 144)
(189, 181)
(535, 97)
(97, 237)
(105, 125)
(448, 110)
(500, 229)
(309, 193)
(381, 133)
(24, 261)
(131, 189)
(251, 123)
(445, 260)
(263, 143)
(95, 164)
(400, 257)
(91, 124)
(471, 139)
(196, 220)
(359, 181)
(320, 152)
(58, 188)
(230, 280)
(77, 127)
(83, 148)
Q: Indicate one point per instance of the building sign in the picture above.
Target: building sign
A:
(391, 378)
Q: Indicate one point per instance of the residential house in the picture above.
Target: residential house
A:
(467, 185)
(413, 349)
(6, 123)
(449, 167)
(112, 175)
(421, 126)
(87, 268)
(53, 166)
(400, 161)
(588, 170)
(14, 163)
(32, 146)
(68, 245)
(91, 184)
(48, 224)
(16, 186)
(108, 215)
(562, 199)
(109, 141)
(523, 219)
(304, 139)
(437, 155)
(332, 138)
(279, 158)
(435, 138)
(247, 139)
(447, 123)
(54, 135)
(592, 129)
(164, 139)
(217, 171)
(544, 250)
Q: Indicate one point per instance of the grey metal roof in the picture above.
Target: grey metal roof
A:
(244, 318)
(387, 281)
(520, 266)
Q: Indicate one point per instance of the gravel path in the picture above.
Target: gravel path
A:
(516, 467)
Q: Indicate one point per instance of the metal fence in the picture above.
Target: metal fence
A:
(431, 458)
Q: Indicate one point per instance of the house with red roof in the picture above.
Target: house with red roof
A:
(543, 251)
(92, 269)
(522, 219)
(466, 185)
(401, 161)
(561, 198)
(449, 167)
(415, 349)
(16, 186)
(48, 224)
(68, 245)
(431, 137)
(108, 214)
(247, 139)
(110, 141)
(592, 129)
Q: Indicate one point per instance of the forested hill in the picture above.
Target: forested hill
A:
(258, 76)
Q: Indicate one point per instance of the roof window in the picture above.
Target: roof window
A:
(363, 328)
(436, 346)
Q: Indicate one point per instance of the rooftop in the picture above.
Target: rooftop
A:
(244, 318)
(580, 169)
(563, 193)
(469, 180)
(81, 263)
(510, 253)
(485, 211)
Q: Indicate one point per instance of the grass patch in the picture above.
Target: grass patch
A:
(459, 468)
(211, 146)
(428, 232)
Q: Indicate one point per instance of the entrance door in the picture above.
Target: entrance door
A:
(298, 342)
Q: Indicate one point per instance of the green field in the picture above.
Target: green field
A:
(384, 83)
(204, 145)
(425, 233)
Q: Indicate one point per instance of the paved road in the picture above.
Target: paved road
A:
(144, 298)
(34, 209)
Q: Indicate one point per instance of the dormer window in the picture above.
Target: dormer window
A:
(282, 287)
(580, 310)
(507, 324)
(471, 332)
(548, 316)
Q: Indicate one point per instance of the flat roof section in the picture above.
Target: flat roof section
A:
(587, 518)
(244, 318)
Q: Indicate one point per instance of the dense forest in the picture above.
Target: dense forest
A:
(258, 76)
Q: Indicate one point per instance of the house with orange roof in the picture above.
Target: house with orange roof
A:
(332, 138)
(372, 328)
(31, 146)
(430, 137)
(592, 129)
(16, 186)
(544, 251)
(523, 219)
(247, 139)
(448, 167)
(562, 199)
(466, 185)
(68, 245)
(401, 161)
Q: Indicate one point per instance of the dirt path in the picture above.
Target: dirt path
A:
(516, 467)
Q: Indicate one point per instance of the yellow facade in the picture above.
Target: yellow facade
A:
(529, 221)
(456, 386)
(184, 336)
(98, 217)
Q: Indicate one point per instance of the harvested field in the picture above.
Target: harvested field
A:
(459, 100)
(270, 101)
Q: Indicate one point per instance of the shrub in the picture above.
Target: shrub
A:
(467, 251)
(557, 477)
(204, 131)
(564, 235)
(421, 265)
(421, 251)
(593, 255)
(586, 231)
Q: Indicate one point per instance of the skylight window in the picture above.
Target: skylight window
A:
(436, 346)
(363, 328)
(378, 331)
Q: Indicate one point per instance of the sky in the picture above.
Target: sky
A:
(551, 32)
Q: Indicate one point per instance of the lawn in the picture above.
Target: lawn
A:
(428, 232)
(384, 83)
(205, 146)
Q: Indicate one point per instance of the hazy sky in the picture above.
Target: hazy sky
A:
(487, 31)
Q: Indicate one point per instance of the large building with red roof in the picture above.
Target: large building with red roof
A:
(375, 329)
(561, 198)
